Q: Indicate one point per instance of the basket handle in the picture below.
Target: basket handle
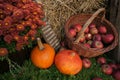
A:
(88, 23)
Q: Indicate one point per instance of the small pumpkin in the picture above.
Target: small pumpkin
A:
(68, 62)
(42, 56)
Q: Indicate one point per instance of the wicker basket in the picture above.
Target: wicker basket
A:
(97, 18)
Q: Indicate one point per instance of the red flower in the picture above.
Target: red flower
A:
(1, 1)
(33, 26)
(3, 51)
(1, 24)
(19, 46)
(1, 32)
(19, 21)
(32, 32)
(8, 7)
(18, 15)
(28, 23)
(19, 5)
(7, 22)
(15, 0)
(20, 40)
(20, 27)
(26, 12)
(26, 1)
(16, 37)
(14, 33)
(8, 38)
(32, 38)
(39, 22)
(25, 38)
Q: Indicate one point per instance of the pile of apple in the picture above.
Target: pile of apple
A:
(108, 68)
(94, 36)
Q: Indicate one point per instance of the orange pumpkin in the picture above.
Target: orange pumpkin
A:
(43, 57)
(68, 62)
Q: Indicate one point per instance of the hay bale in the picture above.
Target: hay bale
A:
(58, 11)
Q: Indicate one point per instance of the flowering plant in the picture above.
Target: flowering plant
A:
(20, 22)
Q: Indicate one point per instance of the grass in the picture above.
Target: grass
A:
(29, 72)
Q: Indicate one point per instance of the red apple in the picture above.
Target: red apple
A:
(97, 78)
(87, 30)
(72, 32)
(107, 69)
(82, 39)
(101, 60)
(102, 29)
(87, 45)
(92, 26)
(114, 66)
(93, 31)
(88, 36)
(116, 74)
(108, 38)
(97, 37)
(86, 63)
(97, 44)
(77, 27)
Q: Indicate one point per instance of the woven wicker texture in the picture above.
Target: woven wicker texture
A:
(85, 20)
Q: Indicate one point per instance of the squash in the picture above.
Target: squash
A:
(42, 56)
(68, 62)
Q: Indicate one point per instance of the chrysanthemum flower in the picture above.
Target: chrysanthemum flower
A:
(3, 51)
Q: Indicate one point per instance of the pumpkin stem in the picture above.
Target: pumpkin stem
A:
(40, 45)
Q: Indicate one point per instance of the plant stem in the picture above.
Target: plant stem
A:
(40, 45)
